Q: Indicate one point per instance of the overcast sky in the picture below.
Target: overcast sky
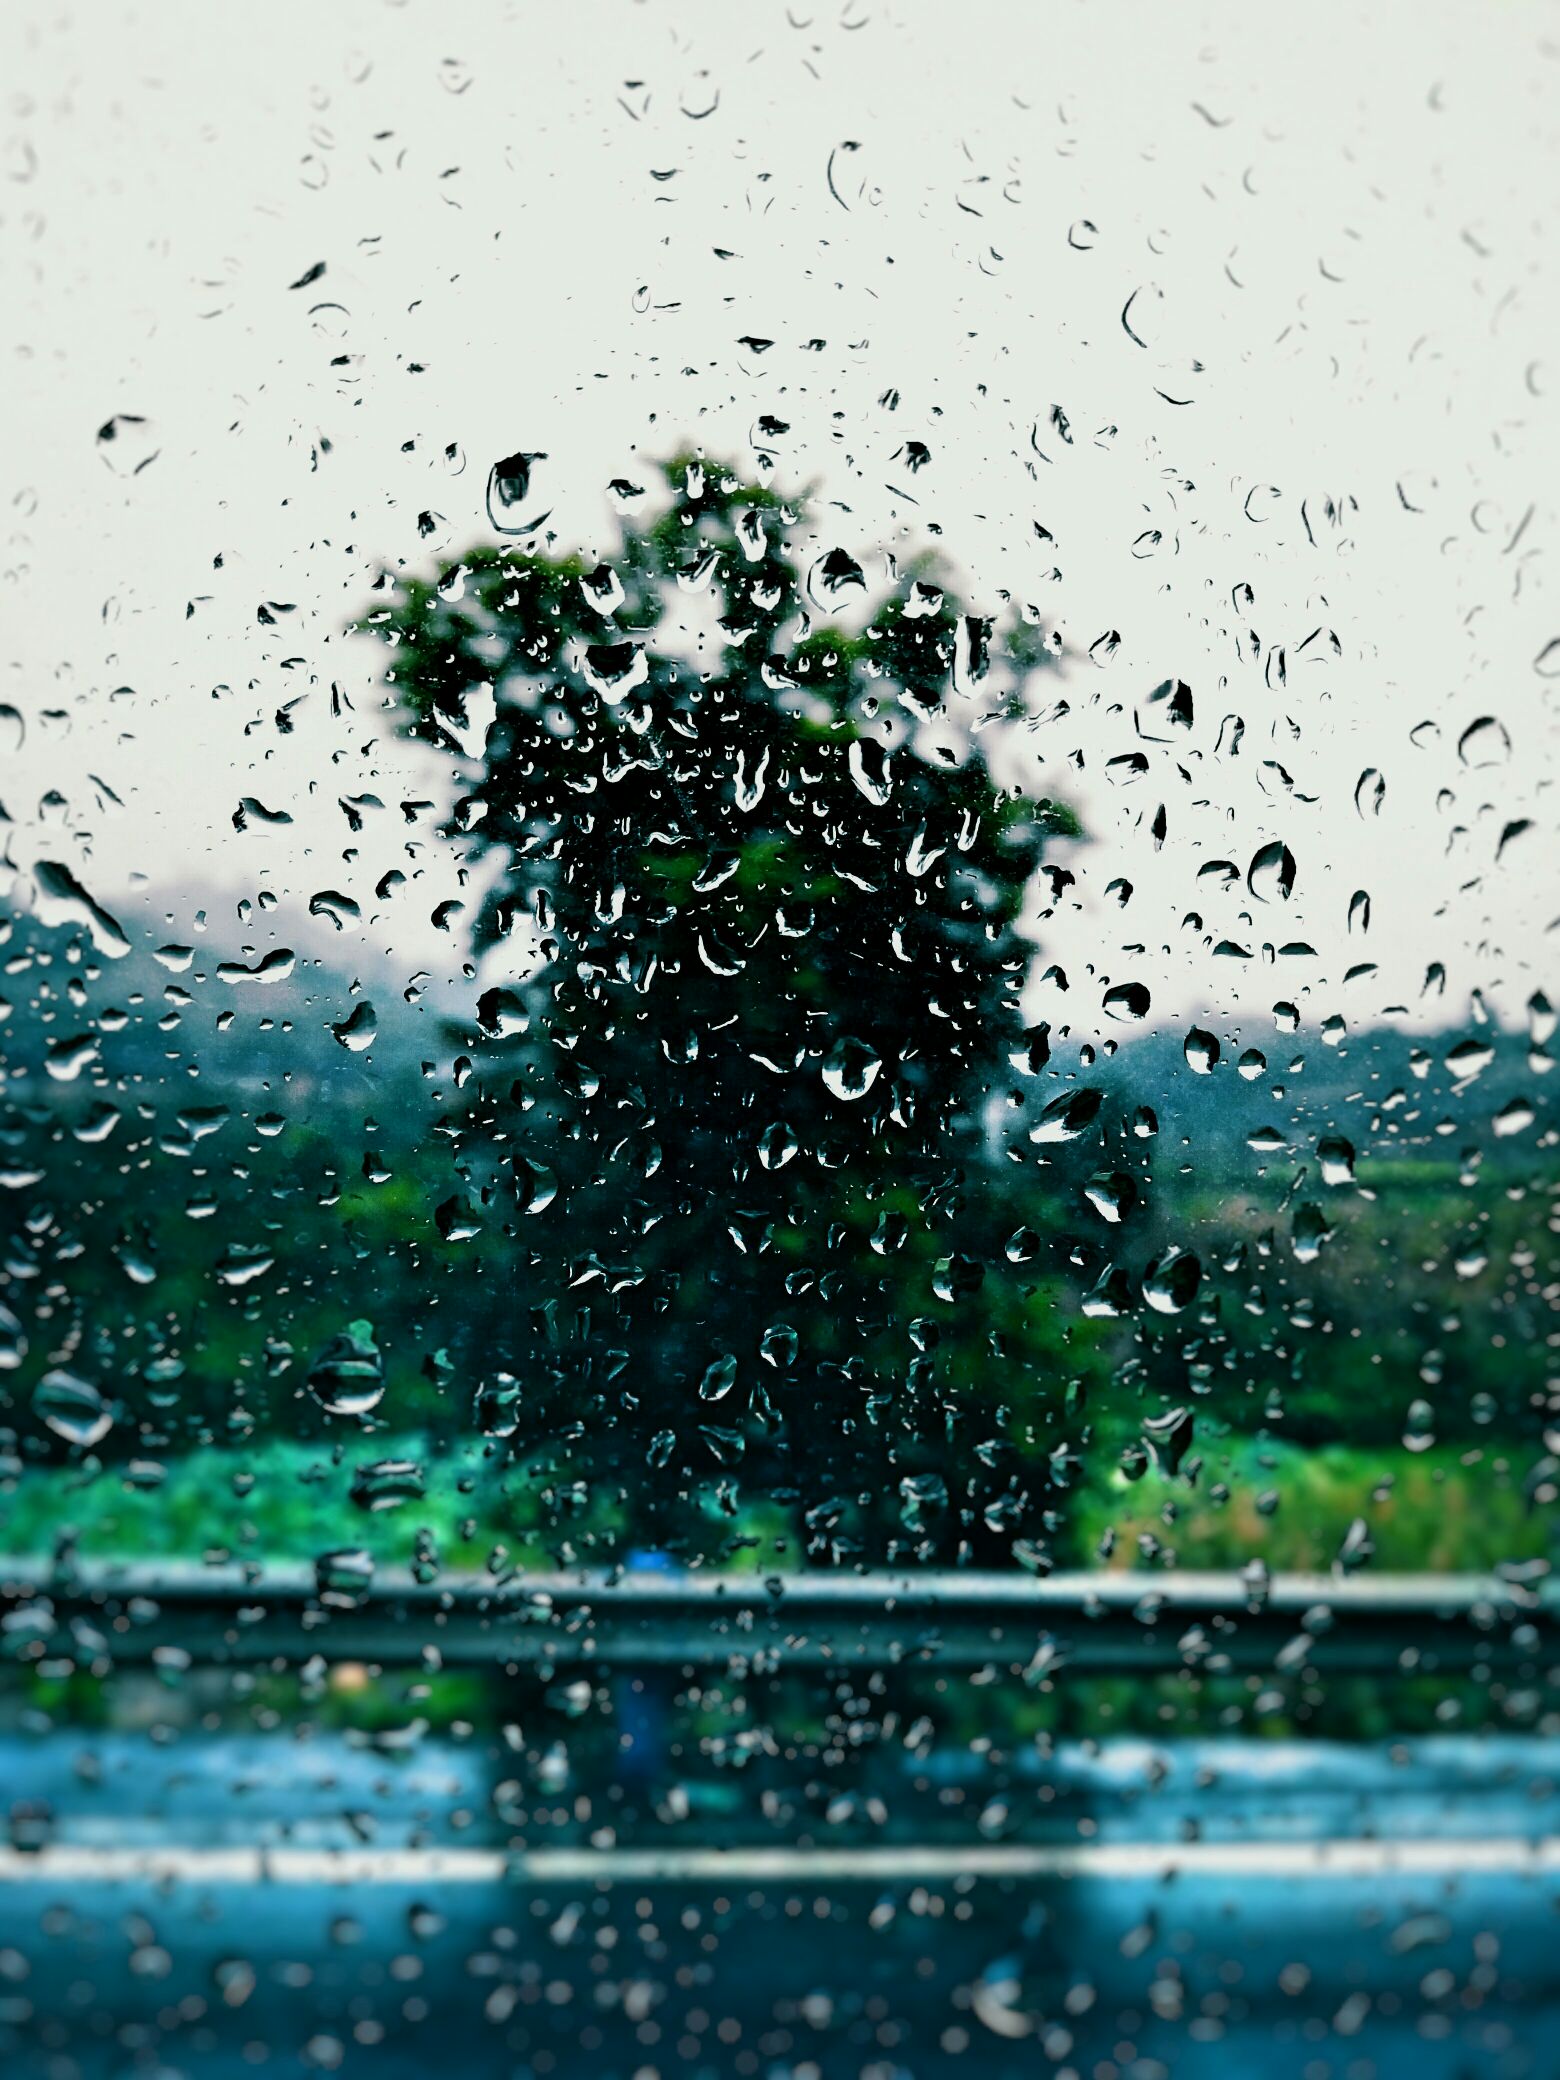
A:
(1289, 275)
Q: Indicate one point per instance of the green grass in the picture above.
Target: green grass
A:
(280, 1501)
(1440, 1510)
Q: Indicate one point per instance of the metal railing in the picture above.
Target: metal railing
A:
(111, 1615)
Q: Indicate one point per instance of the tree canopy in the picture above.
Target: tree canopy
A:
(752, 968)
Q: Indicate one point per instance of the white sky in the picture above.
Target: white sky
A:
(1340, 235)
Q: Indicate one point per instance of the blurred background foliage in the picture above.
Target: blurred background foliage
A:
(743, 1216)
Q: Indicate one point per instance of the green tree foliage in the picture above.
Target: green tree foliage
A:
(753, 964)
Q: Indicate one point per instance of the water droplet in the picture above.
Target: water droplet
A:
(1128, 1001)
(1202, 1051)
(340, 909)
(719, 1379)
(1169, 1436)
(777, 1145)
(1112, 1193)
(778, 1345)
(955, 1278)
(348, 1376)
(13, 1340)
(1311, 1230)
(128, 443)
(1336, 1157)
(871, 769)
(1171, 1281)
(275, 966)
(614, 669)
(1271, 875)
(851, 1067)
(356, 1031)
(1514, 1117)
(833, 573)
(1484, 743)
(923, 1502)
(241, 1264)
(65, 1058)
(1032, 1057)
(509, 491)
(63, 900)
(1110, 1297)
(455, 1221)
(384, 1484)
(72, 1408)
(344, 1578)
(535, 1185)
(1068, 1116)
(1469, 1058)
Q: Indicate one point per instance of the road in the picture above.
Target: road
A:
(227, 1906)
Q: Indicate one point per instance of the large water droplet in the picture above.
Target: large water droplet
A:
(719, 1379)
(851, 1067)
(614, 669)
(1271, 875)
(1168, 1437)
(509, 491)
(63, 900)
(535, 1185)
(1311, 1229)
(923, 1501)
(1484, 743)
(356, 1031)
(1128, 1001)
(128, 443)
(1068, 1116)
(1202, 1051)
(384, 1484)
(344, 1577)
(1112, 1194)
(833, 573)
(1171, 1281)
(870, 768)
(348, 1376)
(13, 1340)
(1336, 1157)
(72, 1408)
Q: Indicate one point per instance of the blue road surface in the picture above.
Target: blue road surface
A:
(1150, 1913)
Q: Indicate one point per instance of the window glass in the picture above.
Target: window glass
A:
(776, 1136)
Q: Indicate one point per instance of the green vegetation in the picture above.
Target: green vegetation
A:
(715, 1219)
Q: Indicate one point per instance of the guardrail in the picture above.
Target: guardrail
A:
(102, 1615)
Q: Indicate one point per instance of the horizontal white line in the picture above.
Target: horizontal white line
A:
(61, 1863)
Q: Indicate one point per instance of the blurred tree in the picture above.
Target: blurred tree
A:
(758, 966)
